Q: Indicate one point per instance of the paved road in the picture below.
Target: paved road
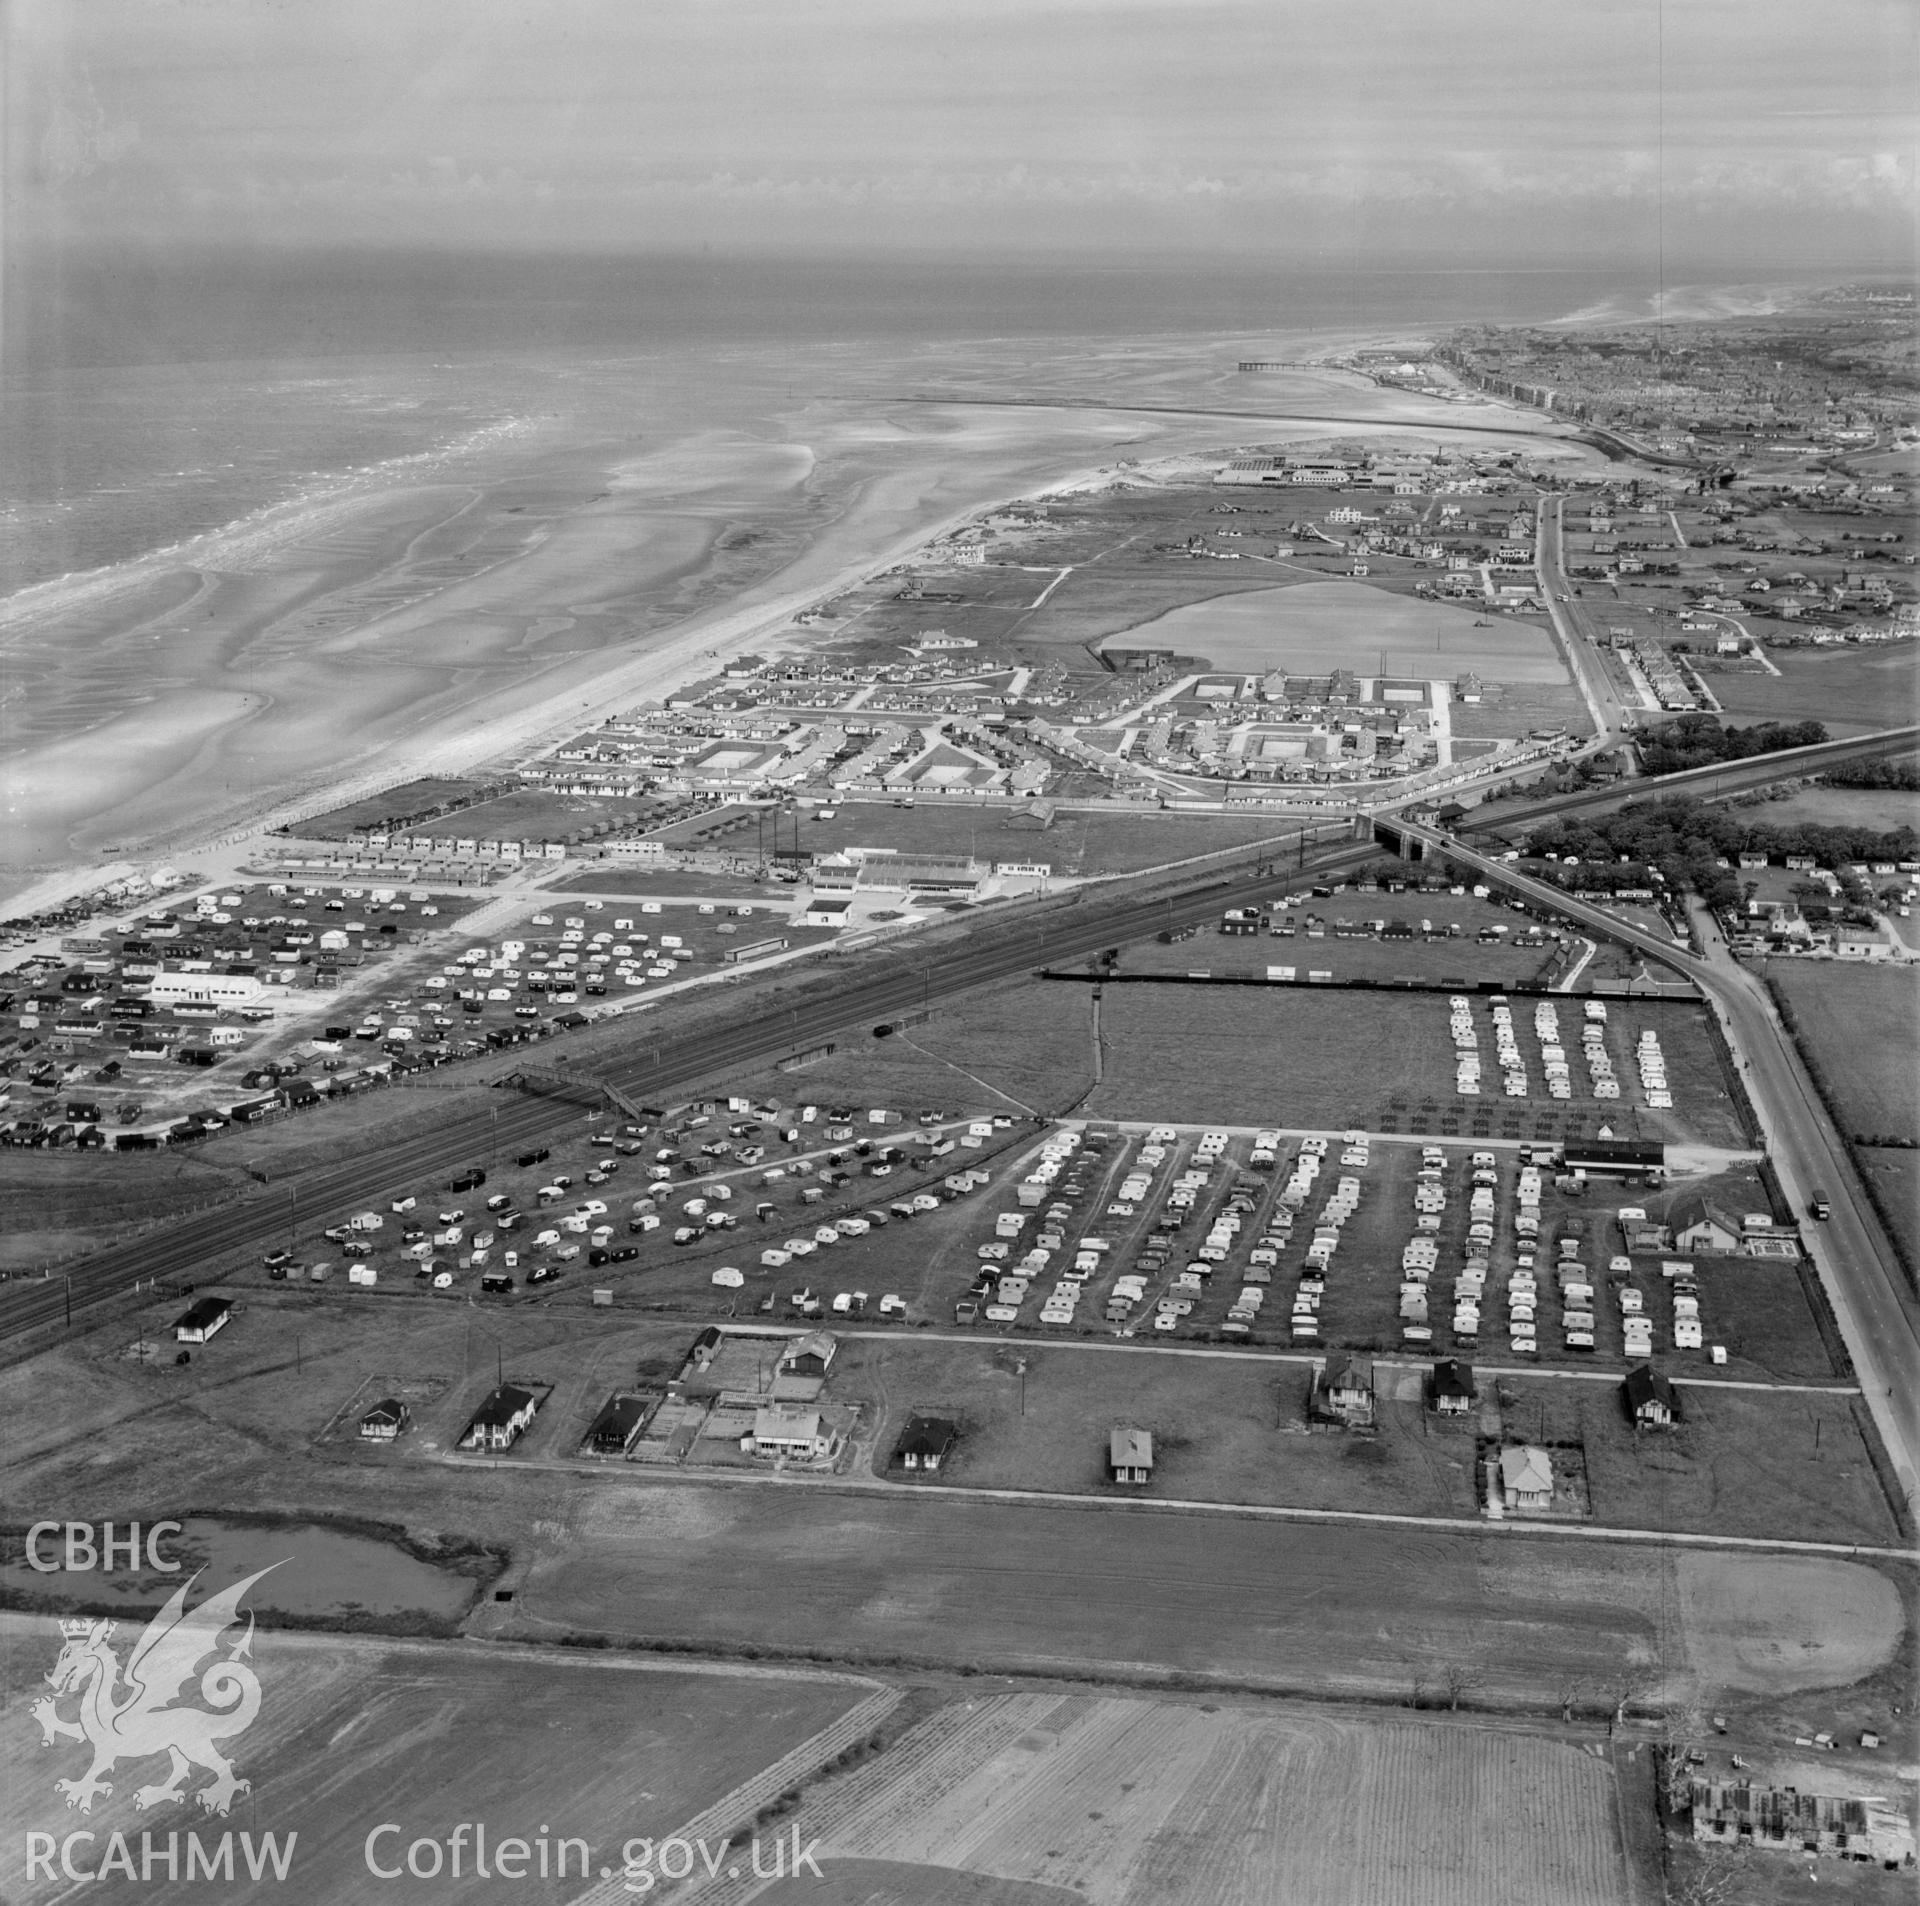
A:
(1878, 1314)
(1574, 624)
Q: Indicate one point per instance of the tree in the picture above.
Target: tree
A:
(1457, 1680)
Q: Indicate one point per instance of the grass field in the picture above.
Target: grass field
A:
(1882, 808)
(1144, 1803)
(353, 1734)
(1336, 1609)
(413, 797)
(1005, 1048)
(1896, 1175)
(1319, 627)
(1744, 1463)
(1851, 690)
(56, 1205)
(1861, 1025)
(1316, 1061)
(1461, 958)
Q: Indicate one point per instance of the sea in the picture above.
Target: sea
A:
(150, 398)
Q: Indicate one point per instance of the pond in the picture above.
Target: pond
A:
(315, 1570)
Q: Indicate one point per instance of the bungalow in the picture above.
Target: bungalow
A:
(1451, 1388)
(810, 1356)
(1343, 1392)
(925, 1443)
(1526, 1479)
(788, 1434)
(822, 912)
(1130, 1456)
(502, 1419)
(385, 1420)
(203, 1320)
(617, 1428)
(1650, 1398)
(1861, 943)
(1699, 1225)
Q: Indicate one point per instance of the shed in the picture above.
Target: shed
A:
(925, 1443)
(202, 1320)
(1130, 1456)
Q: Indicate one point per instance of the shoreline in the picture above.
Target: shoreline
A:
(880, 516)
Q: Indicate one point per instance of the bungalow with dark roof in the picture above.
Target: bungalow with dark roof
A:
(617, 1428)
(1650, 1398)
(502, 1419)
(385, 1420)
(202, 1320)
(925, 1443)
(1343, 1392)
(1450, 1388)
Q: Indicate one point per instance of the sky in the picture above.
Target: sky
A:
(1775, 131)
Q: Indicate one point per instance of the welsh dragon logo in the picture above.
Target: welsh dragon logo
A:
(133, 1715)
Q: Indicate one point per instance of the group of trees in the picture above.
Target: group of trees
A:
(1700, 741)
(1875, 774)
(1686, 840)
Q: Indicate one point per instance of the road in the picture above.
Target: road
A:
(1573, 624)
(1876, 1309)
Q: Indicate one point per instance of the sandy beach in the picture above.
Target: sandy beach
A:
(473, 606)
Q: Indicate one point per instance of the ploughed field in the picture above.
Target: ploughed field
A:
(353, 1733)
(1137, 1803)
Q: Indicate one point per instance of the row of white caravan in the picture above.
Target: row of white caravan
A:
(1653, 1070)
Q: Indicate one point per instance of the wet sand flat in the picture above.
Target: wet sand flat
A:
(486, 602)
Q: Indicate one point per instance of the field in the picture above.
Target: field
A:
(1851, 690)
(1896, 1176)
(413, 798)
(56, 1205)
(1883, 808)
(1326, 1609)
(1233, 1430)
(1455, 955)
(1138, 1803)
(1861, 1026)
(1318, 627)
(1024, 1044)
(1312, 1061)
(355, 1733)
